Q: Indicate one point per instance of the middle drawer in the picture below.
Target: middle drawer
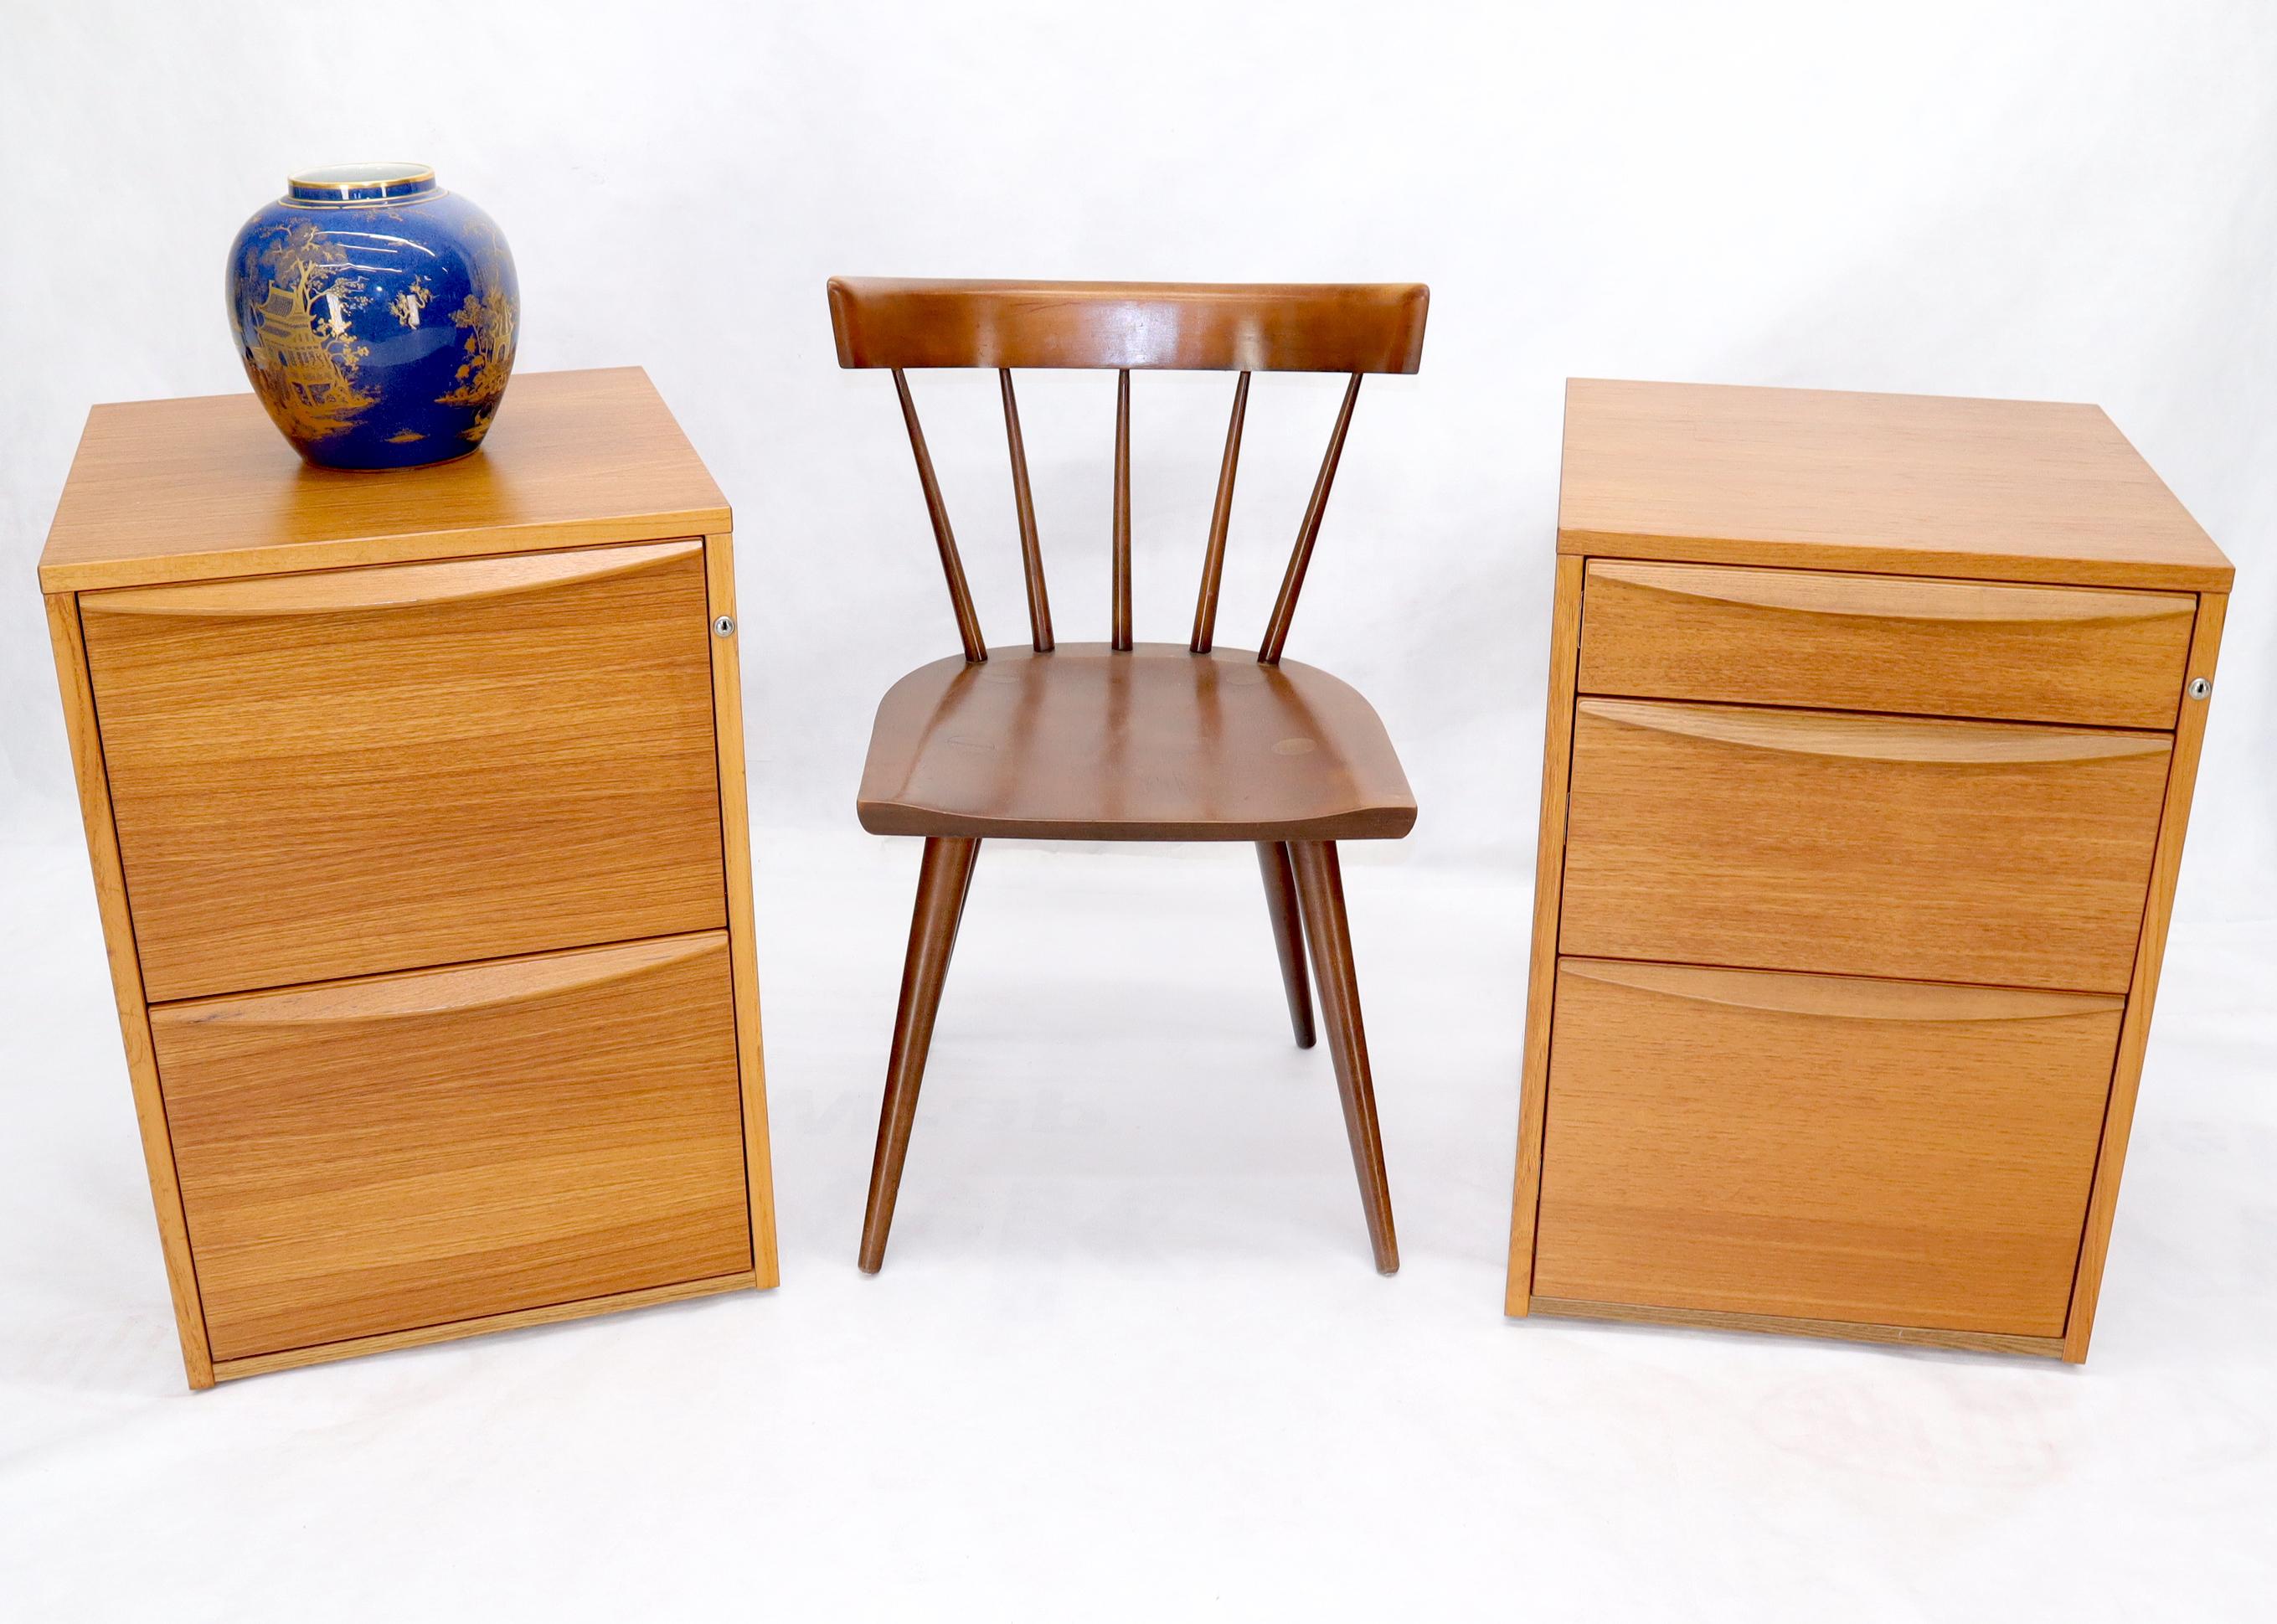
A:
(1861, 846)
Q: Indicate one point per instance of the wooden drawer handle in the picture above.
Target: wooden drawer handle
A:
(1840, 997)
(1874, 738)
(387, 586)
(1886, 598)
(441, 992)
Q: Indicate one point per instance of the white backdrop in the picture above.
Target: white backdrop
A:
(2064, 201)
(1172, 1366)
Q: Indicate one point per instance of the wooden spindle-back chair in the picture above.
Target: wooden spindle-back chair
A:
(1124, 740)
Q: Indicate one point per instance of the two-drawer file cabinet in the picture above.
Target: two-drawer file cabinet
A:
(416, 806)
(1872, 725)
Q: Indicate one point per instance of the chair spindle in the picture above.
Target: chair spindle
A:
(960, 595)
(1031, 552)
(1121, 637)
(1284, 607)
(1221, 516)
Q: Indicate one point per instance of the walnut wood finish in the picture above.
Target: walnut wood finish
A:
(1220, 521)
(952, 566)
(199, 489)
(1882, 642)
(354, 771)
(943, 883)
(1125, 740)
(1023, 503)
(1300, 560)
(1817, 1147)
(1320, 882)
(1121, 639)
(1865, 845)
(2022, 490)
(1290, 327)
(1287, 915)
(1159, 743)
(375, 1156)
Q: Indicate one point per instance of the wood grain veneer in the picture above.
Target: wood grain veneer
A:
(1868, 845)
(1086, 743)
(380, 1154)
(415, 805)
(1884, 643)
(1263, 327)
(194, 490)
(361, 770)
(1872, 728)
(2024, 491)
(1887, 1152)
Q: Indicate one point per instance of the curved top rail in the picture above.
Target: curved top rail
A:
(1190, 326)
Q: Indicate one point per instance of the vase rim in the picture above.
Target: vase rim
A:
(360, 183)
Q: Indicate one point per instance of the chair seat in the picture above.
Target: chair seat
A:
(1154, 743)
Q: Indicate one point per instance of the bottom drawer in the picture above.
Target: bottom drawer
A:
(1810, 1147)
(408, 1150)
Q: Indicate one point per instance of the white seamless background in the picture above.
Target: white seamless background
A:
(1128, 1358)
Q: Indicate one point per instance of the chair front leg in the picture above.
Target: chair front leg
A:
(1319, 883)
(943, 882)
(1288, 935)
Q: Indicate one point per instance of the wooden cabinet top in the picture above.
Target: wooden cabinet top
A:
(197, 489)
(1884, 484)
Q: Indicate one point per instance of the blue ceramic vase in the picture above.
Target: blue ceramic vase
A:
(375, 315)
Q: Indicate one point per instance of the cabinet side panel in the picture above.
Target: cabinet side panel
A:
(127, 979)
(736, 835)
(2142, 990)
(1549, 877)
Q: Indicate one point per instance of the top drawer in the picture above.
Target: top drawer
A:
(1883, 643)
(363, 770)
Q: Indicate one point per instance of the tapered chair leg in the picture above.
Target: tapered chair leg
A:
(942, 884)
(1288, 935)
(1320, 882)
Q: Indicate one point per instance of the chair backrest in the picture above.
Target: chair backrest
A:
(1180, 326)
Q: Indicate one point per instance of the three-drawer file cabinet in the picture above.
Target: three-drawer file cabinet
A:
(416, 806)
(1872, 730)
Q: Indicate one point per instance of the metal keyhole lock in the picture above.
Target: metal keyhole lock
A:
(724, 626)
(2200, 687)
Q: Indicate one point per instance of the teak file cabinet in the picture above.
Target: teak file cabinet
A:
(415, 807)
(1872, 726)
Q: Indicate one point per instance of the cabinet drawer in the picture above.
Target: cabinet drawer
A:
(1865, 845)
(333, 774)
(414, 1149)
(1819, 1147)
(1883, 643)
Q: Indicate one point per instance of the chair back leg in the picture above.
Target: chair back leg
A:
(1288, 935)
(1320, 884)
(943, 882)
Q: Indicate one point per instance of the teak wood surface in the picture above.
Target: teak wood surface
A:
(2023, 491)
(584, 693)
(1124, 740)
(1861, 846)
(1884, 643)
(354, 771)
(193, 490)
(1811, 1145)
(1771, 605)
(405, 1150)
